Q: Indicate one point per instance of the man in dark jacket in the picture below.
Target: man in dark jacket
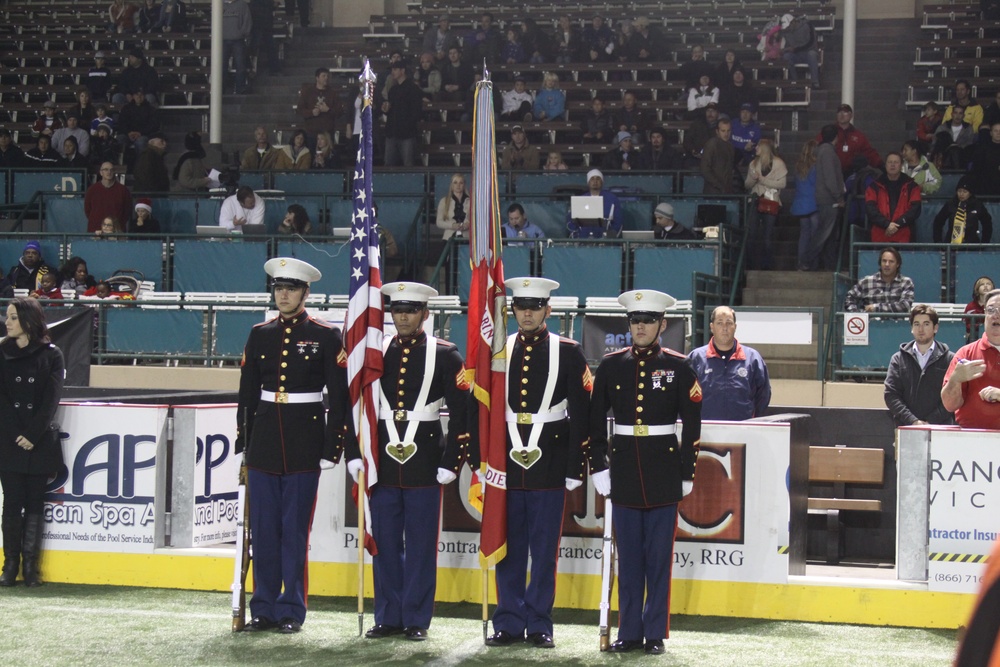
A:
(718, 160)
(137, 122)
(916, 373)
(11, 154)
(137, 75)
(150, 169)
(24, 274)
(656, 156)
(402, 111)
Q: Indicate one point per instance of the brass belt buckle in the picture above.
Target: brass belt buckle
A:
(523, 417)
(281, 397)
(399, 416)
(641, 430)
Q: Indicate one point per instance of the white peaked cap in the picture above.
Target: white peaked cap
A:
(291, 269)
(646, 301)
(531, 287)
(403, 292)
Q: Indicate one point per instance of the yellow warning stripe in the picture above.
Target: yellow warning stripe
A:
(958, 558)
(782, 548)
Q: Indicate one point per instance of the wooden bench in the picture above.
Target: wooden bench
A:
(842, 466)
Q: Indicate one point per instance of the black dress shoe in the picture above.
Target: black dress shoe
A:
(416, 634)
(655, 647)
(382, 631)
(541, 640)
(289, 626)
(625, 645)
(260, 624)
(502, 638)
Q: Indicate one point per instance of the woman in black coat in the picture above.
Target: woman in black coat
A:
(978, 226)
(31, 381)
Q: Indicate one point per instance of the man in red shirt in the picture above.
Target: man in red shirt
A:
(851, 142)
(972, 383)
(107, 198)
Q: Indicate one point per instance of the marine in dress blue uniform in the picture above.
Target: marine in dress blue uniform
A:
(286, 364)
(420, 374)
(646, 470)
(548, 399)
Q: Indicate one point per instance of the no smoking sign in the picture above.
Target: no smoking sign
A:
(856, 329)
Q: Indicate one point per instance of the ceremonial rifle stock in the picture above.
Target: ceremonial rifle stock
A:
(607, 577)
(242, 561)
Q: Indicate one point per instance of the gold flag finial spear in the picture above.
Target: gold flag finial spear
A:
(367, 81)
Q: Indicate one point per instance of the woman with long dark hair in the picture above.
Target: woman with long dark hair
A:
(32, 373)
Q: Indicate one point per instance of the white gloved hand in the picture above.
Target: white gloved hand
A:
(324, 464)
(355, 466)
(572, 484)
(445, 476)
(602, 482)
(687, 487)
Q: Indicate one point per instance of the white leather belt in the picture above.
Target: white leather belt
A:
(535, 418)
(408, 416)
(641, 430)
(285, 397)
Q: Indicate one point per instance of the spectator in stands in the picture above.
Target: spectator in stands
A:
(518, 102)
(74, 277)
(919, 168)
(173, 17)
(985, 166)
(954, 140)
(48, 287)
(963, 98)
(518, 226)
(151, 168)
(732, 97)
(456, 80)
(533, 41)
(428, 77)
(800, 47)
(83, 109)
(142, 221)
(972, 384)
(48, 122)
(296, 221)
(324, 158)
(453, 209)
(963, 218)
(550, 101)
(823, 247)
(804, 204)
(630, 118)
(298, 151)
(701, 130)
(512, 52)
(916, 373)
(73, 129)
(700, 96)
(486, 41)
(555, 162)
(767, 176)
(236, 26)
(441, 39)
(103, 148)
(990, 116)
(263, 156)
(149, 15)
(121, 16)
(106, 197)
(733, 377)
(892, 203)
(718, 160)
(24, 274)
(385, 78)
(138, 76)
(519, 154)
(99, 78)
(101, 117)
(927, 125)
(851, 142)
(664, 227)
(623, 36)
(111, 227)
(11, 155)
(612, 220)
(71, 155)
(245, 207)
(646, 44)
(724, 72)
(596, 125)
(982, 287)
(137, 122)
(569, 42)
(887, 291)
(746, 135)
(43, 155)
(655, 155)
(402, 124)
(262, 35)
(318, 105)
(623, 158)
(598, 40)
(190, 173)
(695, 67)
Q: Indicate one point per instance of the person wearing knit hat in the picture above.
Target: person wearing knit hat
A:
(609, 224)
(624, 156)
(664, 227)
(24, 274)
(143, 221)
(963, 219)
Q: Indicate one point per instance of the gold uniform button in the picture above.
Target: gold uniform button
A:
(307, 357)
(527, 357)
(523, 404)
(618, 386)
(405, 359)
(524, 380)
(639, 409)
(642, 363)
(528, 348)
(288, 330)
(406, 350)
(400, 404)
(642, 385)
(402, 370)
(642, 374)
(282, 378)
(639, 397)
(671, 449)
(401, 381)
(638, 422)
(287, 340)
(284, 353)
(525, 368)
(284, 364)
(524, 392)
(401, 392)
(262, 356)
(281, 388)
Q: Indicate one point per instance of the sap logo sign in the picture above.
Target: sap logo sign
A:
(214, 450)
(113, 455)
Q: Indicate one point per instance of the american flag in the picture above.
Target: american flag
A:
(364, 311)
(486, 350)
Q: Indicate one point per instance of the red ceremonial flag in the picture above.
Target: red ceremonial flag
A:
(486, 349)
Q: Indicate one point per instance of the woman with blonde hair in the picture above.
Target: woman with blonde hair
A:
(767, 176)
(323, 157)
(550, 101)
(804, 204)
(453, 211)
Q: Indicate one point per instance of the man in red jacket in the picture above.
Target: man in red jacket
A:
(851, 142)
(892, 203)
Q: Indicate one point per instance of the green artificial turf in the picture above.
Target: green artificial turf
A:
(78, 626)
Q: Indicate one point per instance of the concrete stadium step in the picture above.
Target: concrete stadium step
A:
(785, 369)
